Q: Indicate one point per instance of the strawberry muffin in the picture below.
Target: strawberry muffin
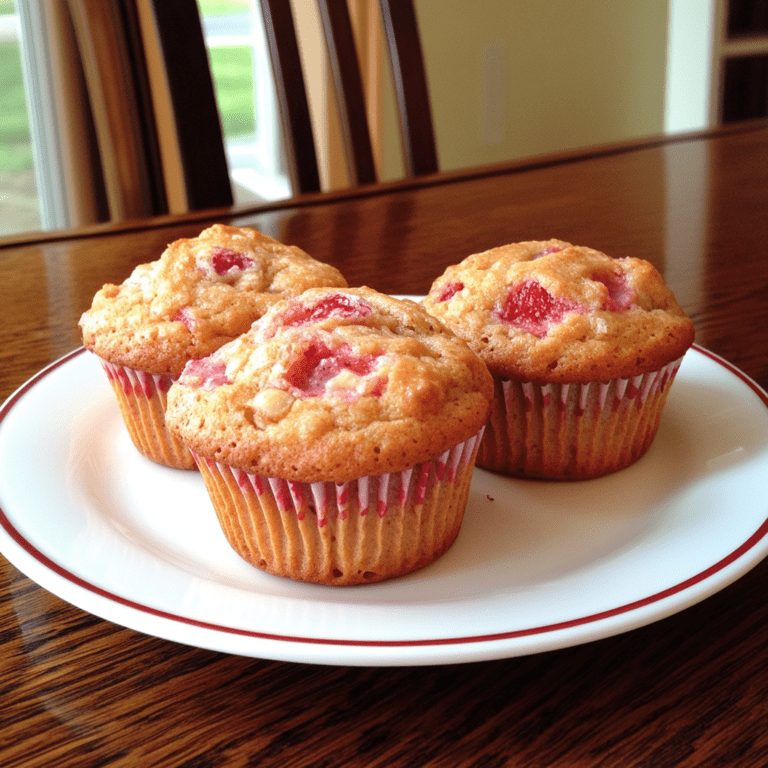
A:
(337, 437)
(200, 294)
(583, 349)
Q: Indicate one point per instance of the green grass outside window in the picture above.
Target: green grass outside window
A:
(232, 69)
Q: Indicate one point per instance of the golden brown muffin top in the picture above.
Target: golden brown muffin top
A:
(333, 385)
(201, 293)
(549, 311)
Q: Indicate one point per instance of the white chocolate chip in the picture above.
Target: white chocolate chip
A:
(345, 379)
(273, 404)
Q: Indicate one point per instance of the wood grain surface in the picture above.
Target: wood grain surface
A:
(689, 690)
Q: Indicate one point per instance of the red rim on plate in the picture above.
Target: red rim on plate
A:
(40, 557)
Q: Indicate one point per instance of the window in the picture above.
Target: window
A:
(19, 202)
(245, 93)
(41, 49)
(38, 72)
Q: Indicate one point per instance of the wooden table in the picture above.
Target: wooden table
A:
(688, 690)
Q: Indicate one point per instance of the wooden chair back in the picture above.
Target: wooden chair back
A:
(179, 36)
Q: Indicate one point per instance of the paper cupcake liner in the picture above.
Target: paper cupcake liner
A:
(573, 431)
(142, 399)
(365, 530)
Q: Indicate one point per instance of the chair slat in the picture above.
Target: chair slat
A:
(193, 97)
(404, 45)
(299, 140)
(136, 174)
(345, 66)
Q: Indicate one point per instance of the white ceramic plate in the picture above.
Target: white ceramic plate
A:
(537, 565)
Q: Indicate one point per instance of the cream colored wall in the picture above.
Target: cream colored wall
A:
(513, 78)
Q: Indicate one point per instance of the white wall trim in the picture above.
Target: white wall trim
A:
(690, 80)
(44, 129)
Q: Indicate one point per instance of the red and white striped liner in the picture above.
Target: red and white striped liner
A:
(369, 492)
(638, 388)
(136, 382)
(572, 431)
(363, 530)
(142, 398)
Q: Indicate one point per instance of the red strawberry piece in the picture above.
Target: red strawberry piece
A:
(225, 261)
(547, 251)
(533, 308)
(336, 306)
(205, 373)
(620, 296)
(184, 316)
(310, 373)
(450, 291)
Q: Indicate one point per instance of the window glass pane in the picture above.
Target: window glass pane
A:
(232, 67)
(19, 203)
(242, 77)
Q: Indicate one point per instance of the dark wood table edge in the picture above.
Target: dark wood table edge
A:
(371, 190)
